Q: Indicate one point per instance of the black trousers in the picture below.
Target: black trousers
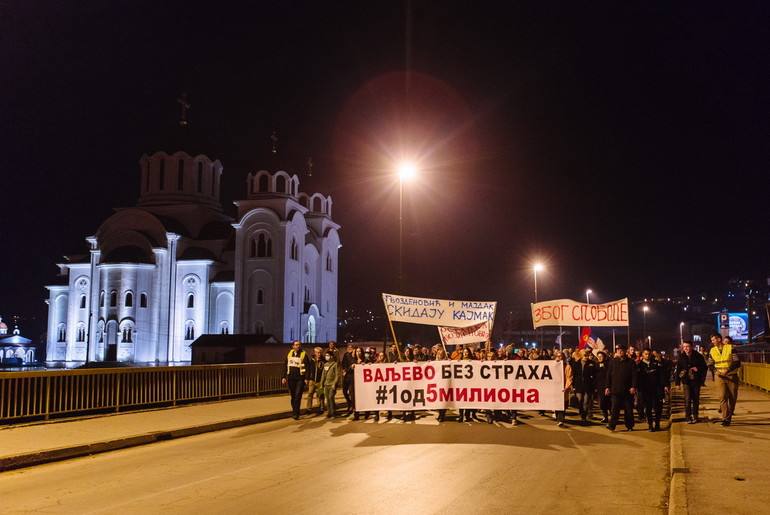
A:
(691, 400)
(653, 405)
(347, 389)
(626, 402)
(296, 385)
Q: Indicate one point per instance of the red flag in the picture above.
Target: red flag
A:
(585, 334)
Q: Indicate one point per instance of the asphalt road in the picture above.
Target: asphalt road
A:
(320, 466)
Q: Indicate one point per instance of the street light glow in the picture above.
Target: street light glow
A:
(406, 171)
(538, 267)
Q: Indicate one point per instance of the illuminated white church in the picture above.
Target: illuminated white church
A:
(175, 267)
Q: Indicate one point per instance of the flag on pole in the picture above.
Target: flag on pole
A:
(590, 340)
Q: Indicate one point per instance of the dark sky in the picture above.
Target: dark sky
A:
(624, 144)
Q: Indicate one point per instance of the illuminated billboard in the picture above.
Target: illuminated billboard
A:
(738, 325)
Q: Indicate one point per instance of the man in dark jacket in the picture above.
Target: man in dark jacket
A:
(690, 374)
(346, 367)
(584, 382)
(621, 386)
(653, 383)
(296, 365)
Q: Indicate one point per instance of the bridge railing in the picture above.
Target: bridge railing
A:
(60, 393)
(755, 374)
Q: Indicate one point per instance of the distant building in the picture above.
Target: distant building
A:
(15, 349)
(175, 267)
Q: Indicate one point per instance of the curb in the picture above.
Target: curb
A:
(677, 493)
(63, 453)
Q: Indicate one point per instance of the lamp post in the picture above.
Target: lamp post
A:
(405, 172)
(681, 337)
(537, 267)
(645, 309)
(588, 292)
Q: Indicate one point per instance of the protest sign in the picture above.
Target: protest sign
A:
(503, 385)
(449, 313)
(567, 312)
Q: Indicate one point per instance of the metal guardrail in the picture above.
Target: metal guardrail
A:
(755, 374)
(60, 393)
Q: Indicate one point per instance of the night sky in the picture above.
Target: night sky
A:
(623, 144)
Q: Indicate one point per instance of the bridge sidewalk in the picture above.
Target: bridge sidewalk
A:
(719, 469)
(42, 442)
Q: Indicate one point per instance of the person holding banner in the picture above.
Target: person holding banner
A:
(621, 386)
(346, 367)
(466, 415)
(441, 356)
(567, 388)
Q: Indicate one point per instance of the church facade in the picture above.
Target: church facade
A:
(175, 266)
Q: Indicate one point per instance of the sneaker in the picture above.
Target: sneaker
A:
(605, 420)
(515, 423)
(560, 424)
(610, 427)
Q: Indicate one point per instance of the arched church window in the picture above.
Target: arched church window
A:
(189, 333)
(143, 300)
(200, 177)
(101, 299)
(82, 302)
(263, 186)
(260, 296)
(129, 299)
(328, 262)
(81, 333)
(253, 248)
(224, 328)
(62, 332)
(180, 175)
(127, 334)
(190, 300)
(113, 299)
(264, 246)
(161, 173)
(294, 249)
(280, 184)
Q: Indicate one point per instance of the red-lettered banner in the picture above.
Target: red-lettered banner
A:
(522, 385)
(460, 335)
(571, 313)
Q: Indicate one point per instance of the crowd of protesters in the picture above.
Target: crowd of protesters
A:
(633, 381)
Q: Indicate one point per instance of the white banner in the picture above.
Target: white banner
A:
(459, 335)
(523, 385)
(449, 313)
(570, 313)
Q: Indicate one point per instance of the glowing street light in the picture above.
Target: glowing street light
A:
(588, 292)
(681, 338)
(645, 309)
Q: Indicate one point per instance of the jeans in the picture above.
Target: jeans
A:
(329, 392)
(691, 400)
(585, 399)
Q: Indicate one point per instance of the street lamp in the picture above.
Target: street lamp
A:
(681, 338)
(405, 172)
(588, 292)
(645, 309)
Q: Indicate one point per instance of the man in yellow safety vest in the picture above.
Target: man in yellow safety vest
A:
(725, 365)
(296, 366)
